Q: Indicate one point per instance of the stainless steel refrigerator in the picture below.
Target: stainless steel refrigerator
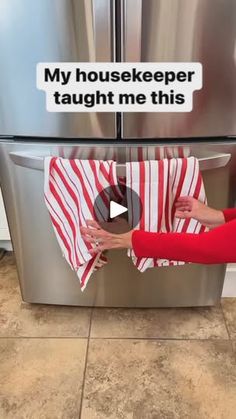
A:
(108, 31)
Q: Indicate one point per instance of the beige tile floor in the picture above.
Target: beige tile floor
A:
(69, 362)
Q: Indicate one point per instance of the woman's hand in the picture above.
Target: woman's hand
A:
(189, 207)
(103, 239)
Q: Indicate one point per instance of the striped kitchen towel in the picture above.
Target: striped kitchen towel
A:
(159, 184)
(70, 190)
(72, 185)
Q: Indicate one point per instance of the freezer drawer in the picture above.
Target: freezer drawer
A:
(185, 31)
(51, 31)
(44, 275)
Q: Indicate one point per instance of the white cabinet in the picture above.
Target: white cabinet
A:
(4, 231)
(229, 289)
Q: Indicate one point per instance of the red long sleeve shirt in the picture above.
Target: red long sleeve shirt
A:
(216, 246)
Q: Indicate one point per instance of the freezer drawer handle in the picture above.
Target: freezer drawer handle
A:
(24, 159)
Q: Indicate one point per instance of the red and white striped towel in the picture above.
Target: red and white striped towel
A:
(159, 184)
(70, 190)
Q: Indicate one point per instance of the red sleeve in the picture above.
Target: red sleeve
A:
(215, 246)
(229, 214)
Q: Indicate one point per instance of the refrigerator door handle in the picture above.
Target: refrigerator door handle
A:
(104, 29)
(24, 159)
(131, 33)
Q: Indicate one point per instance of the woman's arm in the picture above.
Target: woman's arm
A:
(215, 246)
(229, 214)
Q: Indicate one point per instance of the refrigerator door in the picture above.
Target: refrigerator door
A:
(50, 31)
(44, 275)
(185, 31)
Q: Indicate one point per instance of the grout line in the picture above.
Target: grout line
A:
(225, 322)
(85, 365)
(161, 339)
(117, 338)
(44, 337)
(227, 328)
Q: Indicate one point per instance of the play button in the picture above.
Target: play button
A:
(116, 209)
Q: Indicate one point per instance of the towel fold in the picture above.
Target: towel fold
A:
(70, 189)
(159, 184)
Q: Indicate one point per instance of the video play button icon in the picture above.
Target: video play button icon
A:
(117, 212)
(116, 209)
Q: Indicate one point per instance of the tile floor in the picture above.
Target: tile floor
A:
(69, 362)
